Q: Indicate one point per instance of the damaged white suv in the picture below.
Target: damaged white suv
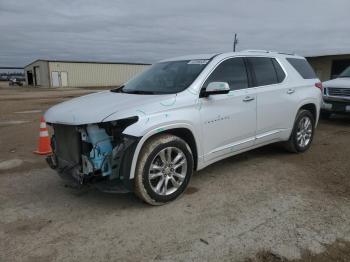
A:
(181, 115)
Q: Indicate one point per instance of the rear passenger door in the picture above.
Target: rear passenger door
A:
(275, 101)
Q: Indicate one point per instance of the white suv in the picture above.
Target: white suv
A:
(181, 115)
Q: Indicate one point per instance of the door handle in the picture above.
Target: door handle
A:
(248, 99)
(290, 91)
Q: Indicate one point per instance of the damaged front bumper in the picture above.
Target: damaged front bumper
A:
(97, 154)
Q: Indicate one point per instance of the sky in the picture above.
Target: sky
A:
(151, 30)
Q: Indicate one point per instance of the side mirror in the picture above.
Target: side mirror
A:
(216, 88)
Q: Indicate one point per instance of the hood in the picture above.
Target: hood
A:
(94, 108)
(338, 82)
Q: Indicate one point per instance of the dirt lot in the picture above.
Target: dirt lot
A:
(265, 205)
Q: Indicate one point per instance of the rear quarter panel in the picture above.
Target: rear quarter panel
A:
(305, 93)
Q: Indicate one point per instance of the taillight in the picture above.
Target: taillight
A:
(319, 86)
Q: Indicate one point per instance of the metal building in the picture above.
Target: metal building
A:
(55, 73)
(329, 66)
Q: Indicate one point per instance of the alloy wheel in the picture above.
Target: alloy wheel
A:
(304, 132)
(167, 171)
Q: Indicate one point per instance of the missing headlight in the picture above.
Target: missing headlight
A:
(92, 151)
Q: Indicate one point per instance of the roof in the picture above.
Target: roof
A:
(245, 53)
(86, 62)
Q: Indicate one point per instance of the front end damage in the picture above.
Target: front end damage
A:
(98, 154)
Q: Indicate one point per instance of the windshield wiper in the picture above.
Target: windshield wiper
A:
(117, 90)
(138, 92)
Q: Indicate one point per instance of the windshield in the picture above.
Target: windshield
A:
(165, 78)
(345, 73)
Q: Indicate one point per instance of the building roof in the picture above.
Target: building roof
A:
(329, 52)
(86, 62)
(309, 54)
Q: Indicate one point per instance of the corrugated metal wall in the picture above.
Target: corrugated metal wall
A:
(95, 74)
(43, 71)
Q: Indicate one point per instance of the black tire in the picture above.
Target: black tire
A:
(149, 153)
(292, 144)
(326, 115)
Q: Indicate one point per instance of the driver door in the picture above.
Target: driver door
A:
(228, 120)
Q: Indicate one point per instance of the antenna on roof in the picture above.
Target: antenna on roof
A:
(235, 42)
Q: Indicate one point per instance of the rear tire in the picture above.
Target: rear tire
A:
(303, 132)
(163, 170)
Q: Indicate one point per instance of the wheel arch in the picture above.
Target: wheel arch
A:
(311, 106)
(184, 131)
(291, 144)
(188, 137)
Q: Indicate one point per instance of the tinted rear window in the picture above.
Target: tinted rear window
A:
(303, 68)
(264, 70)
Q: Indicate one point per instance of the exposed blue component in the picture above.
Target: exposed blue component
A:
(100, 155)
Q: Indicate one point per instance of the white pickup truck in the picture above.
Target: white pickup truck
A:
(336, 95)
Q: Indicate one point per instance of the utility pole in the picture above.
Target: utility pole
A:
(235, 42)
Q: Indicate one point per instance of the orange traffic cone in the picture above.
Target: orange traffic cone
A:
(44, 146)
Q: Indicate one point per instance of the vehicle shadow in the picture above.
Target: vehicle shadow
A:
(129, 200)
(97, 198)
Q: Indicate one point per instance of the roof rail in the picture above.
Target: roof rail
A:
(256, 51)
(268, 51)
(286, 53)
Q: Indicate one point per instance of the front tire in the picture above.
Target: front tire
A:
(303, 132)
(164, 169)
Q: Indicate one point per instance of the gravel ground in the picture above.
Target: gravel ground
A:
(264, 205)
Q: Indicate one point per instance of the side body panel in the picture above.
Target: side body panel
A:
(276, 105)
(228, 122)
(275, 111)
